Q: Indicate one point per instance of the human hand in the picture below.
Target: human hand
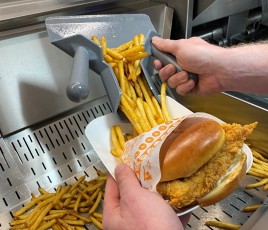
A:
(193, 55)
(129, 206)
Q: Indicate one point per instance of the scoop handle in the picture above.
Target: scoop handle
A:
(78, 86)
(167, 58)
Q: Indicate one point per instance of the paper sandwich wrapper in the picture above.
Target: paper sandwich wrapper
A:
(141, 153)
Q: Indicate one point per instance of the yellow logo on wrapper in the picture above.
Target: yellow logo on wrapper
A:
(142, 153)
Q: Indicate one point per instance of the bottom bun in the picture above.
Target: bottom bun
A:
(228, 183)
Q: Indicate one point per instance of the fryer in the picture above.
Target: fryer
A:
(42, 132)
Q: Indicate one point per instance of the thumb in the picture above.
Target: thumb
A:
(126, 179)
(165, 45)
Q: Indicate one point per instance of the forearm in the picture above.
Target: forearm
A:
(245, 68)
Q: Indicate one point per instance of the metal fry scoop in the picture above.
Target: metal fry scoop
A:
(72, 34)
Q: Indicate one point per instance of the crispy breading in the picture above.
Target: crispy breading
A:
(183, 192)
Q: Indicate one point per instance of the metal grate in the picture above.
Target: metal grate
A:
(46, 157)
(59, 153)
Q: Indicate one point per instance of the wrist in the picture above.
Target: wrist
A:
(243, 68)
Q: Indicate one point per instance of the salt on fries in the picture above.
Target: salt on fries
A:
(70, 207)
(137, 101)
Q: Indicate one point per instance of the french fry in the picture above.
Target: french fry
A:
(258, 155)
(160, 117)
(98, 215)
(129, 112)
(17, 222)
(96, 222)
(128, 137)
(84, 218)
(147, 87)
(116, 142)
(136, 40)
(143, 113)
(137, 56)
(251, 208)
(120, 136)
(124, 46)
(163, 102)
(64, 224)
(95, 39)
(114, 54)
(133, 93)
(141, 38)
(115, 153)
(250, 172)
(74, 222)
(132, 51)
(129, 100)
(132, 71)
(222, 225)
(260, 171)
(56, 226)
(258, 184)
(147, 97)
(149, 114)
(143, 121)
(48, 224)
(31, 204)
(96, 204)
(41, 216)
(138, 90)
(77, 202)
(122, 77)
(109, 59)
(103, 45)
(265, 187)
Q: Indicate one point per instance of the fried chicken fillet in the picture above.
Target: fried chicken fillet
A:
(187, 191)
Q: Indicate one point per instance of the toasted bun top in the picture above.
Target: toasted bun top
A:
(191, 145)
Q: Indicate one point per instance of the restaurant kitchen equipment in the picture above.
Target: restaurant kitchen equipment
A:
(42, 141)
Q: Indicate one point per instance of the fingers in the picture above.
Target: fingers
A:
(112, 196)
(186, 88)
(126, 180)
(165, 45)
(167, 71)
(157, 64)
(179, 81)
(111, 204)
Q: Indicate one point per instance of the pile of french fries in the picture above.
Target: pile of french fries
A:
(137, 102)
(71, 207)
(259, 169)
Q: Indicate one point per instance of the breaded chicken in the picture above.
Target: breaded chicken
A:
(184, 192)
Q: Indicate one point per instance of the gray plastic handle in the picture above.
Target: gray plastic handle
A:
(78, 88)
(166, 59)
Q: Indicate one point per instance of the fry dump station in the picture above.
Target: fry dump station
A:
(73, 34)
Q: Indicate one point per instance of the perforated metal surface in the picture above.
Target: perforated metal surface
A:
(59, 153)
(46, 157)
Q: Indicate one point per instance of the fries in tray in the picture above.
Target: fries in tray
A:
(69, 207)
(259, 169)
(137, 102)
